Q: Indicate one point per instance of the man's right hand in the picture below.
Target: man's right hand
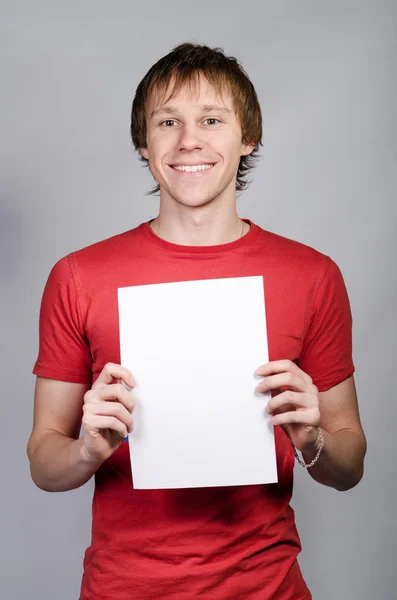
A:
(107, 409)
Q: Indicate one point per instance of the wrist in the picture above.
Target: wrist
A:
(311, 449)
(86, 459)
(311, 453)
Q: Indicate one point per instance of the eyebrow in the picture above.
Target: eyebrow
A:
(203, 108)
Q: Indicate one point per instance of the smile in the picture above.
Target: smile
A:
(192, 168)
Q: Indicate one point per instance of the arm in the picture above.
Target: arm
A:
(341, 462)
(59, 459)
(54, 450)
(300, 409)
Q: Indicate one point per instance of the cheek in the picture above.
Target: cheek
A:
(160, 147)
(228, 147)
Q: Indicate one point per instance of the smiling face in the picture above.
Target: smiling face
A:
(194, 144)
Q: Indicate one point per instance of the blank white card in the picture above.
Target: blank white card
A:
(193, 348)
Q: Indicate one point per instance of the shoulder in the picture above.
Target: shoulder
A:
(105, 250)
(103, 254)
(293, 256)
(94, 264)
(306, 269)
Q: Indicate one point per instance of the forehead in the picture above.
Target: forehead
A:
(195, 92)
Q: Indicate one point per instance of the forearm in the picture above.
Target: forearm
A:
(58, 463)
(341, 462)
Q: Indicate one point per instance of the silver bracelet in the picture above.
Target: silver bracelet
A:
(315, 459)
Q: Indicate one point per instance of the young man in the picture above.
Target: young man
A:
(197, 123)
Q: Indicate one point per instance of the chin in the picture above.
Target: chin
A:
(197, 201)
(194, 197)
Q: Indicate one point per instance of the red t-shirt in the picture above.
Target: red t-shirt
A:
(216, 543)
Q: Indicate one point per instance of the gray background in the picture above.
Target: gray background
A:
(325, 76)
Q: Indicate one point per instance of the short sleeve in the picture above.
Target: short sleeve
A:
(64, 351)
(327, 346)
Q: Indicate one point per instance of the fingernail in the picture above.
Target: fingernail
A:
(132, 381)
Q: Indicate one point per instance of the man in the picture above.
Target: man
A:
(196, 122)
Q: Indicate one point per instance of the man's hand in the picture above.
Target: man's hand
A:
(107, 413)
(295, 404)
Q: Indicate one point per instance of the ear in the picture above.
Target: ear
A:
(144, 153)
(247, 149)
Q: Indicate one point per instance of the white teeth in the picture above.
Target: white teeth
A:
(193, 168)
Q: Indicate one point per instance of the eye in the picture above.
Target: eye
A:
(213, 119)
(167, 122)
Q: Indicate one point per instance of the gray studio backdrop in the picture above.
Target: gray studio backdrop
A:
(325, 76)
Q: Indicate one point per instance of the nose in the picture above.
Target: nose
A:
(190, 138)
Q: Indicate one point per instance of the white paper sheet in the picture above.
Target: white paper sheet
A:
(193, 348)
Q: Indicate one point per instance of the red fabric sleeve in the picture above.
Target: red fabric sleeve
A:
(327, 346)
(64, 351)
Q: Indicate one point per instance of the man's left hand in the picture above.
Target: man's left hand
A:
(295, 406)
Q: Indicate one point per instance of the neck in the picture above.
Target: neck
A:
(211, 224)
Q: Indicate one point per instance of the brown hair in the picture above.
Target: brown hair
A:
(184, 63)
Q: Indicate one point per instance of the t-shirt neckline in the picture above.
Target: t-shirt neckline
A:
(245, 240)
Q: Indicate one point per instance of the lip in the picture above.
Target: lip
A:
(195, 164)
(192, 173)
